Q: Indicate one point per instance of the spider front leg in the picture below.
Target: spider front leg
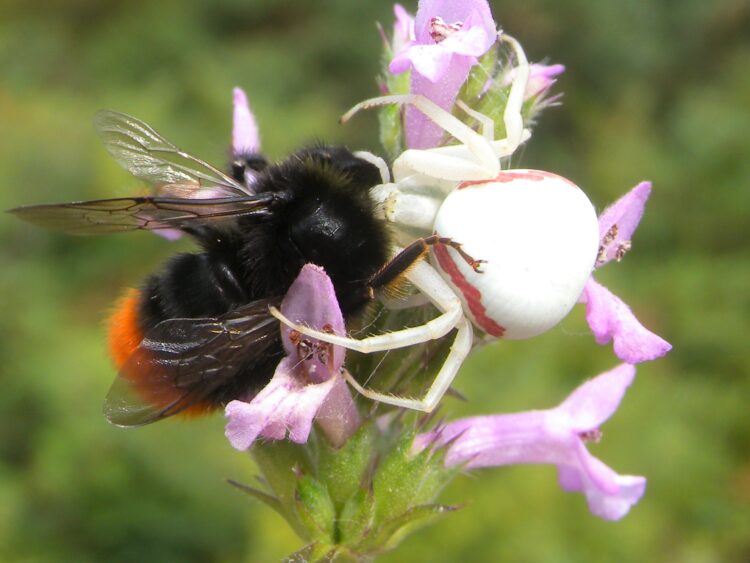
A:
(477, 156)
(431, 284)
(427, 280)
(434, 162)
(512, 115)
(482, 163)
(459, 351)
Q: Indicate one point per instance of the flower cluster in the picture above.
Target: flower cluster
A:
(307, 384)
(449, 53)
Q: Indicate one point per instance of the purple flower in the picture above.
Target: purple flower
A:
(307, 383)
(403, 28)
(555, 436)
(541, 79)
(245, 140)
(607, 315)
(245, 136)
(449, 36)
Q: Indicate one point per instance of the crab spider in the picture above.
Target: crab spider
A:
(536, 233)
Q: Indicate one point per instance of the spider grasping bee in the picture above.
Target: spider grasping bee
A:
(536, 235)
(198, 334)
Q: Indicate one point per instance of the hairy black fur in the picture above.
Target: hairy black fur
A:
(324, 216)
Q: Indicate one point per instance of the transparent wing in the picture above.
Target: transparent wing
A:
(183, 363)
(140, 150)
(141, 213)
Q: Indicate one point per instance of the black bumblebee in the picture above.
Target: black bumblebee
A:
(198, 333)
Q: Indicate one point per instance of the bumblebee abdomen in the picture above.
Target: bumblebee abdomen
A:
(191, 286)
(124, 328)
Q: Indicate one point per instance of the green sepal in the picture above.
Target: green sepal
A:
(312, 553)
(342, 469)
(280, 463)
(391, 130)
(389, 534)
(324, 553)
(480, 73)
(314, 509)
(265, 498)
(405, 479)
(356, 517)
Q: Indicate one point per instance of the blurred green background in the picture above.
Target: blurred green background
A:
(654, 90)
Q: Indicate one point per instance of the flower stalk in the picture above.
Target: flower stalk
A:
(353, 482)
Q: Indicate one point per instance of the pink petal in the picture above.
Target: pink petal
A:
(433, 60)
(169, 234)
(596, 400)
(420, 131)
(403, 28)
(618, 222)
(471, 39)
(541, 79)
(609, 495)
(452, 11)
(311, 300)
(286, 405)
(551, 437)
(189, 192)
(245, 135)
(338, 416)
(610, 319)
(430, 61)
(441, 68)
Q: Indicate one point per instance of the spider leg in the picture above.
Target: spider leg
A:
(440, 385)
(512, 116)
(486, 122)
(378, 162)
(443, 166)
(485, 165)
(428, 281)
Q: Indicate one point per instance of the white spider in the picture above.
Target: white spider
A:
(536, 234)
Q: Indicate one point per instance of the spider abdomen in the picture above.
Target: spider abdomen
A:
(538, 235)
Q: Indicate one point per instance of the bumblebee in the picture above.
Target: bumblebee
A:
(198, 334)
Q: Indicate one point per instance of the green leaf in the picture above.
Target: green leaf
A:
(390, 117)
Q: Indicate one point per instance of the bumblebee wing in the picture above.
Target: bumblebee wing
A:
(141, 213)
(143, 152)
(181, 362)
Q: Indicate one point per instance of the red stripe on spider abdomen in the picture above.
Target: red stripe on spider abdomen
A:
(471, 294)
(510, 175)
